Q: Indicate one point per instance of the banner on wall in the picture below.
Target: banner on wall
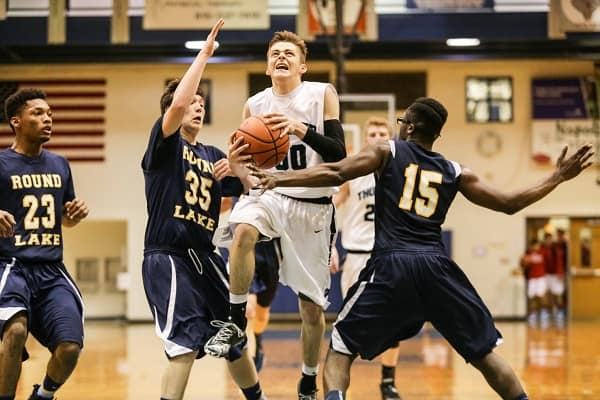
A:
(450, 5)
(565, 112)
(573, 16)
(202, 14)
(78, 116)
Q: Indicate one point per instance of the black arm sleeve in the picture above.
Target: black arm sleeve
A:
(330, 146)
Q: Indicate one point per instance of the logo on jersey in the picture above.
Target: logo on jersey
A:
(197, 192)
(41, 209)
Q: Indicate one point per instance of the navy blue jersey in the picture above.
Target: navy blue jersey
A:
(183, 197)
(34, 190)
(412, 196)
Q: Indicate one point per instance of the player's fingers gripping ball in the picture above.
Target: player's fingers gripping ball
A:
(266, 146)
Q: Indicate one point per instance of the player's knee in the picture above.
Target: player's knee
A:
(245, 236)
(15, 335)
(312, 314)
(68, 352)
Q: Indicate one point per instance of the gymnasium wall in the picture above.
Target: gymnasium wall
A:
(487, 245)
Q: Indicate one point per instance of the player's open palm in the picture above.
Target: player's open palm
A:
(238, 161)
(7, 224)
(571, 167)
(210, 46)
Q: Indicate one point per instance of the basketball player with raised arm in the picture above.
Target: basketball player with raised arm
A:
(301, 217)
(409, 279)
(185, 280)
(358, 233)
(37, 294)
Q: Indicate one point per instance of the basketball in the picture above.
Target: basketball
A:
(267, 147)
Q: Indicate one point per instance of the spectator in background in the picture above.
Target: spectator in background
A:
(586, 253)
(534, 269)
(556, 280)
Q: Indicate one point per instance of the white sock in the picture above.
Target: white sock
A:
(306, 370)
(44, 393)
(238, 298)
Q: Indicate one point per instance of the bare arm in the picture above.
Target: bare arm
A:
(246, 111)
(368, 160)
(188, 86)
(331, 109)
(486, 196)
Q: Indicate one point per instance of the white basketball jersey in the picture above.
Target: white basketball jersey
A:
(358, 228)
(306, 104)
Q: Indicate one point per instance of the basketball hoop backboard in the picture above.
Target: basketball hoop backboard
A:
(317, 17)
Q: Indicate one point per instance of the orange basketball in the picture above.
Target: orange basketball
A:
(267, 147)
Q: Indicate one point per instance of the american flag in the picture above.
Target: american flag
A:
(78, 116)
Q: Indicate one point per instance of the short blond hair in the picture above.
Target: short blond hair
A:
(287, 36)
(378, 121)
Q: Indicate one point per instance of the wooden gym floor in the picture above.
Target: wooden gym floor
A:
(123, 361)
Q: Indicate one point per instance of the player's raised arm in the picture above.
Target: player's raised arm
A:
(486, 196)
(369, 159)
(188, 86)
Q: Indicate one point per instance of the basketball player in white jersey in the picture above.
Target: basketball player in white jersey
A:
(358, 233)
(301, 217)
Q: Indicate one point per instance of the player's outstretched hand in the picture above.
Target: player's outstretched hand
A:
(237, 160)
(209, 45)
(7, 224)
(266, 180)
(571, 167)
(74, 211)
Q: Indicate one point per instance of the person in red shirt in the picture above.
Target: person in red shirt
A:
(534, 267)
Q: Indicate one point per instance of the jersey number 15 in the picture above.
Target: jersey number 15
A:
(427, 200)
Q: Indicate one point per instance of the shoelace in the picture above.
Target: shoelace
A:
(226, 331)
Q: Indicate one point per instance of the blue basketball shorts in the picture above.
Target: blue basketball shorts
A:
(266, 272)
(185, 293)
(47, 295)
(398, 291)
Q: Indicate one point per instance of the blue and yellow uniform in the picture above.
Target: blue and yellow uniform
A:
(186, 282)
(409, 279)
(34, 279)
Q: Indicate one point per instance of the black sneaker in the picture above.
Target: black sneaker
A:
(228, 336)
(34, 395)
(389, 391)
(307, 396)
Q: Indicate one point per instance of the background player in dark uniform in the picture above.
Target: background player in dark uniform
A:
(267, 257)
(408, 279)
(37, 294)
(185, 280)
